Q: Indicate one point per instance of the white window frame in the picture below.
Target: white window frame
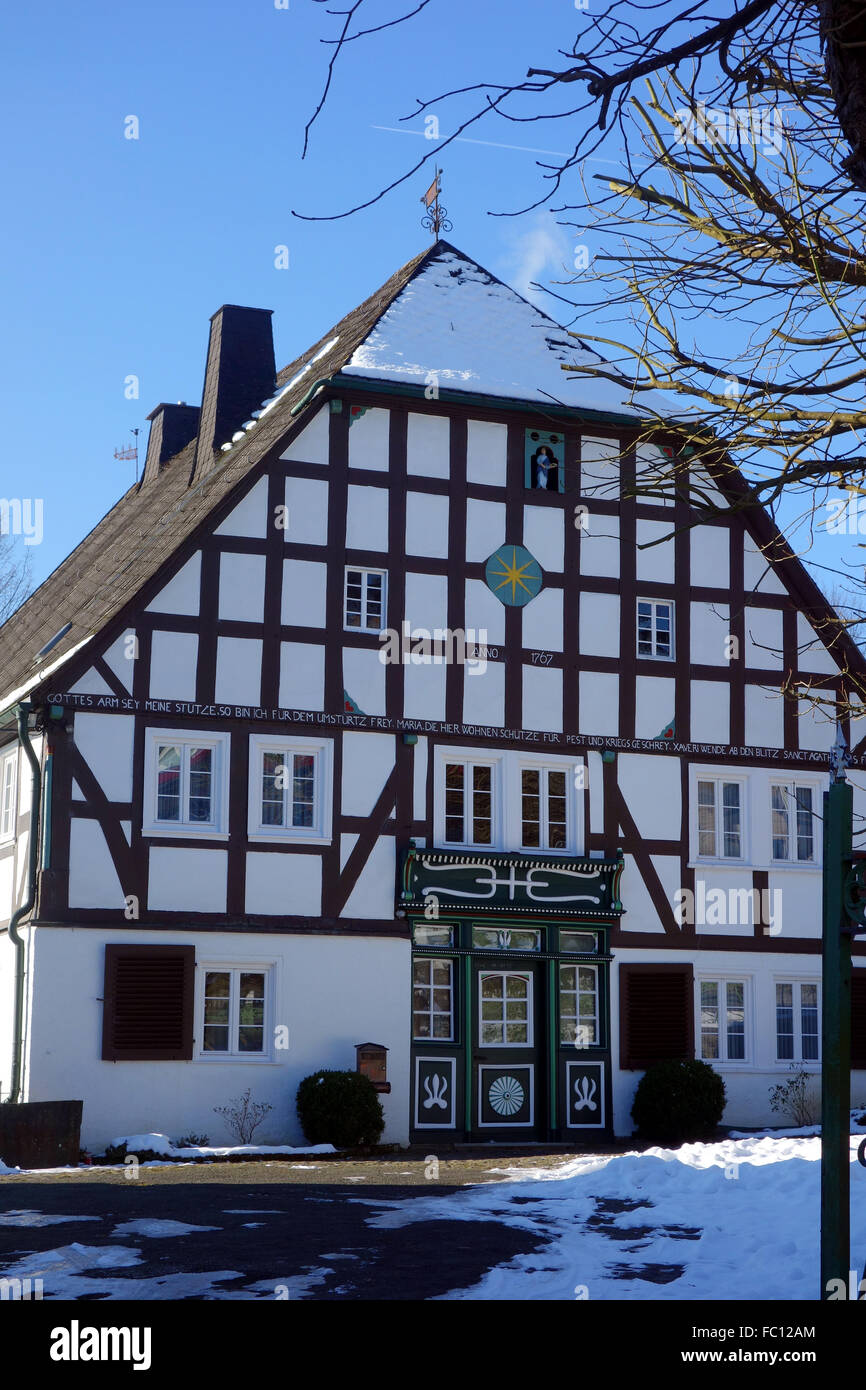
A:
(573, 804)
(722, 982)
(717, 777)
(577, 966)
(791, 785)
(185, 829)
(430, 1039)
(469, 757)
(266, 966)
(530, 1010)
(320, 833)
(9, 778)
(364, 571)
(796, 982)
(655, 655)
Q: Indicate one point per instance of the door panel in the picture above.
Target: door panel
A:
(505, 1064)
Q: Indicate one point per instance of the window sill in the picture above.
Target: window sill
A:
(167, 832)
(740, 864)
(266, 837)
(228, 1059)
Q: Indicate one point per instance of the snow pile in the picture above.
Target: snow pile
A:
(4, 1170)
(455, 323)
(161, 1144)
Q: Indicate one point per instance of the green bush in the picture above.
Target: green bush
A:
(678, 1102)
(340, 1108)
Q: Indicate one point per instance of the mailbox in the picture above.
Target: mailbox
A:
(372, 1062)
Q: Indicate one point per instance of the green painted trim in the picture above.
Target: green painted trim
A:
(46, 810)
(568, 412)
(467, 1046)
(553, 1037)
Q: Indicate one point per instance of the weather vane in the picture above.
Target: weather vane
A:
(435, 218)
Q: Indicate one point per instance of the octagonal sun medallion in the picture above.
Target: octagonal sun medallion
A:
(514, 575)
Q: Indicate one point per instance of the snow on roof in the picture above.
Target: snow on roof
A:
(458, 326)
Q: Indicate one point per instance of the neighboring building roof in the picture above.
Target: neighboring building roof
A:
(440, 313)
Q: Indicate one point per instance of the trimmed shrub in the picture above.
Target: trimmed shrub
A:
(679, 1102)
(340, 1108)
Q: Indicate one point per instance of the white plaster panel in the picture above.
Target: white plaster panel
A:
(595, 768)
(284, 885)
(764, 717)
(816, 728)
(710, 626)
(654, 705)
(368, 440)
(6, 887)
(173, 659)
(364, 679)
(721, 909)
(302, 675)
(311, 445)
(485, 529)
(796, 905)
(105, 743)
(655, 565)
(710, 712)
(484, 612)
(599, 624)
(367, 518)
(373, 894)
(542, 698)
(307, 504)
(303, 602)
(599, 547)
(544, 536)
(250, 516)
(763, 637)
(484, 695)
(93, 880)
(426, 525)
(347, 844)
(426, 601)
(120, 658)
(710, 556)
(368, 761)
(813, 655)
(651, 787)
(486, 453)
(419, 778)
(242, 587)
(91, 683)
(599, 467)
(652, 468)
(428, 445)
(640, 914)
(181, 594)
(758, 575)
(238, 671)
(599, 702)
(187, 879)
(542, 621)
(424, 691)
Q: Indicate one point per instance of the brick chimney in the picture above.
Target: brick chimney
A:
(240, 375)
(171, 429)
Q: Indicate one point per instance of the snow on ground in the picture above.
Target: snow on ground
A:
(38, 1218)
(67, 1275)
(736, 1220)
(161, 1144)
(158, 1230)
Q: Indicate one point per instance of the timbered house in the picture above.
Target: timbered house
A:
(377, 709)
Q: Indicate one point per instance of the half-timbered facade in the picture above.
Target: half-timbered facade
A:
(377, 710)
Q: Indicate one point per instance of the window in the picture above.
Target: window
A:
(186, 781)
(578, 1005)
(290, 789)
(506, 1009)
(235, 1002)
(543, 808)
(655, 628)
(720, 819)
(656, 1014)
(8, 788)
(364, 600)
(793, 825)
(432, 999)
(723, 1020)
(469, 803)
(147, 1014)
(797, 1021)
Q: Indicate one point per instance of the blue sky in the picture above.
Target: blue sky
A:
(117, 251)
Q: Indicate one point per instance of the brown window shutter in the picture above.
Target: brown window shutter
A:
(858, 1019)
(148, 1010)
(656, 1014)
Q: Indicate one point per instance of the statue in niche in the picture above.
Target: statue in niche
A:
(545, 468)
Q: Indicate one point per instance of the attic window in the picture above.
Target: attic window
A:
(544, 468)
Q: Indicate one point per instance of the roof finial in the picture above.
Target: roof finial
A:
(435, 218)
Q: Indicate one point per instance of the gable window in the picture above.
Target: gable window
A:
(793, 824)
(720, 819)
(364, 600)
(8, 788)
(185, 783)
(470, 803)
(655, 628)
(797, 1021)
(723, 1020)
(432, 999)
(578, 1005)
(290, 788)
(543, 808)
(234, 1008)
